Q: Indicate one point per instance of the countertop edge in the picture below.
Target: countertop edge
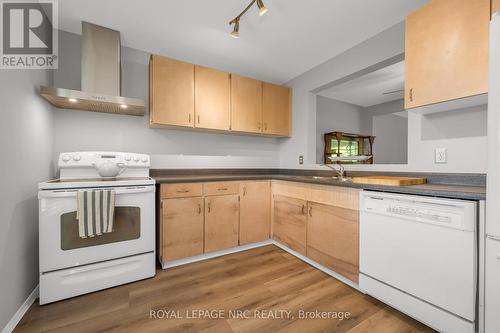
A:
(412, 190)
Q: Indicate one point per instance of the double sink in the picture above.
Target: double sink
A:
(335, 178)
(324, 178)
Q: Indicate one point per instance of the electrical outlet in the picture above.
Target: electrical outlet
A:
(301, 159)
(440, 155)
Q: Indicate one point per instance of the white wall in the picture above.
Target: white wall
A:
(391, 139)
(26, 150)
(169, 148)
(391, 131)
(334, 115)
(388, 44)
(465, 153)
(461, 132)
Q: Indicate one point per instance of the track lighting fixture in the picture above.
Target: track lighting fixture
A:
(236, 20)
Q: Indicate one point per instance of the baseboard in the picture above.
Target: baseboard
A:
(205, 256)
(21, 311)
(318, 266)
(216, 254)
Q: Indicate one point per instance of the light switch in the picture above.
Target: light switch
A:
(440, 155)
(301, 159)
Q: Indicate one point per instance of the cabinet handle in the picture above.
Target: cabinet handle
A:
(265, 126)
(258, 125)
(310, 211)
(198, 119)
(244, 190)
(182, 191)
(303, 210)
(190, 118)
(199, 208)
(411, 94)
(209, 207)
(222, 189)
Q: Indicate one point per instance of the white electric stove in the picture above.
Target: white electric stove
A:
(70, 265)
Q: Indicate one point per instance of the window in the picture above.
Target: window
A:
(348, 147)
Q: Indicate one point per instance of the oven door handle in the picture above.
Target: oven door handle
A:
(72, 193)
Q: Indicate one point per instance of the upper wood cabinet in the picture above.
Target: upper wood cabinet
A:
(182, 228)
(276, 112)
(192, 96)
(255, 211)
(246, 104)
(289, 222)
(333, 238)
(212, 92)
(221, 222)
(446, 51)
(171, 88)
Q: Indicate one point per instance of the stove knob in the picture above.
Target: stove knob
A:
(66, 158)
(127, 157)
(76, 158)
(144, 159)
(136, 158)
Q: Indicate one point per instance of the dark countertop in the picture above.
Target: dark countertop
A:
(455, 186)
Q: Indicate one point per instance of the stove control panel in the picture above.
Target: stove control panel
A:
(90, 159)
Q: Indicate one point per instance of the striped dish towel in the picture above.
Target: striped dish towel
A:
(95, 212)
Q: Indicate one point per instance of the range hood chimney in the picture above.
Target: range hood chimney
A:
(101, 77)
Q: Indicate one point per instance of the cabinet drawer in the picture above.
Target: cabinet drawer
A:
(182, 190)
(334, 195)
(291, 189)
(221, 188)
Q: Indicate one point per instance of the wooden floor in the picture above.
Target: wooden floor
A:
(259, 282)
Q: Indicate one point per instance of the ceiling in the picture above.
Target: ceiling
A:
(381, 86)
(293, 37)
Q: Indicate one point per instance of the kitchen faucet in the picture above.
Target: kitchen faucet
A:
(340, 171)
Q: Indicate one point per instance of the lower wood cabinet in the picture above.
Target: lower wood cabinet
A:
(197, 218)
(317, 221)
(333, 238)
(289, 222)
(182, 228)
(255, 211)
(222, 215)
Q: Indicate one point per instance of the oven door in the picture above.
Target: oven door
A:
(60, 245)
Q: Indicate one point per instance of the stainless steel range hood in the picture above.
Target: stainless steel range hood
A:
(101, 77)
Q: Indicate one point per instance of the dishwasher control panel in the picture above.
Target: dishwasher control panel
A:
(420, 213)
(457, 214)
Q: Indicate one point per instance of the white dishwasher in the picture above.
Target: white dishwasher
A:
(419, 255)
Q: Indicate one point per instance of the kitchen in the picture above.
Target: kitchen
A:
(241, 215)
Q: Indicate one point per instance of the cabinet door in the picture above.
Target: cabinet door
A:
(446, 54)
(246, 104)
(289, 222)
(182, 228)
(333, 238)
(276, 110)
(171, 92)
(221, 222)
(255, 211)
(212, 99)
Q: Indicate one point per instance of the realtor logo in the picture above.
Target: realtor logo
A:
(28, 34)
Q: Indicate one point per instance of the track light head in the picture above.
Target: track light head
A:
(262, 7)
(236, 29)
(236, 20)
